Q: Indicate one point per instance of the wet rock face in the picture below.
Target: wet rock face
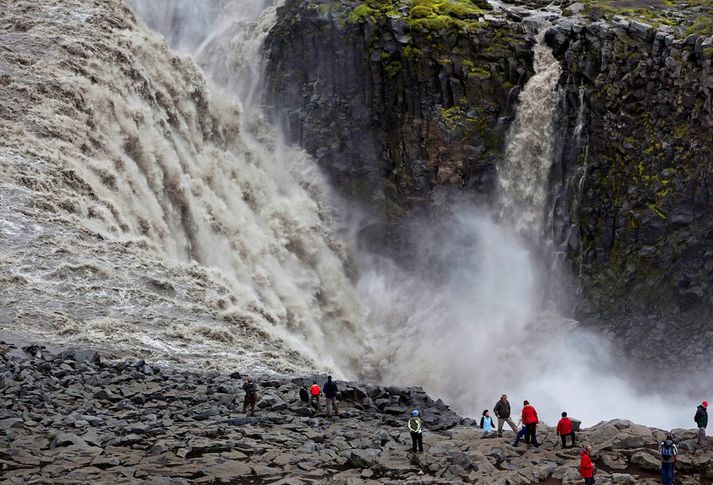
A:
(76, 416)
(640, 201)
(392, 108)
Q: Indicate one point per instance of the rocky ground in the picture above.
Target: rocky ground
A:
(68, 416)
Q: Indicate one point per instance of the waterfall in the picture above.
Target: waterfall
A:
(207, 231)
(523, 174)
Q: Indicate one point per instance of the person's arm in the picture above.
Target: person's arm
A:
(482, 421)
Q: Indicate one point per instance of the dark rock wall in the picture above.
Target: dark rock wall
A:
(393, 111)
(639, 204)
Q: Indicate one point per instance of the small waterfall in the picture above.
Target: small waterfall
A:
(523, 175)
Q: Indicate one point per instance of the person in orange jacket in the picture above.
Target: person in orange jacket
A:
(564, 429)
(314, 392)
(586, 466)
(530, 420)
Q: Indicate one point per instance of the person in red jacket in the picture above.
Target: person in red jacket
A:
(564, 429)
(586, 466)
(530, 420)
(314, 392)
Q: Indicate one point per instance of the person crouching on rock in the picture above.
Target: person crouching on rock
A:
(314, 392)
(586, 466)
(250, 396)
(414, 427)
(486, 424)
(668, 452)
(330, 390)
(564, 429)
(530, 420)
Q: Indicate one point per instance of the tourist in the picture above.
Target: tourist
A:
(668, 452)
(486, 424)
(304, 395)
(314, 392)
(502, 412)
(530, 420)
(564, 429)
(416, 431)
(250, 396)
(330, 390)
(586, 466)
(701, 419)
(520, 435)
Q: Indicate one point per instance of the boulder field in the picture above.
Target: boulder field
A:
(72, 416)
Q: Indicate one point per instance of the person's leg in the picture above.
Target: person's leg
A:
(420, 441)
(667, 473)
(573, 439)
(534, 435)
(245, 404)
(501, 422)
(563, 437)
(253, 401)
(328, 404)
(701, 436)
(414, 441)
(512, 425)
(519, 436)
(528, 436)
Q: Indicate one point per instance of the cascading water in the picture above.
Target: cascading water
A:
(525, 170)
(219, 230)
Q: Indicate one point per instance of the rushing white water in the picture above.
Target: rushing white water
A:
(524, 172)
(218, 230)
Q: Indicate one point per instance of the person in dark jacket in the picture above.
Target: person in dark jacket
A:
(330, 391)
(701, 419)
(668, 452)
(250, 396)
(530, 420)
(586, 465)
(304, 395)
(564, 429)
(502, 412)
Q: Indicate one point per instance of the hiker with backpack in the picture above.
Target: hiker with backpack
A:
(250, 396)
(668, 452)
(564, 429)
(416, 431)
(314, 392)
(586, 465)
(701, 419)
(330, 390)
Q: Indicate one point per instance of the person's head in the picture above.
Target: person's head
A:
(525, 403)
(704, 404)
(504, 397)
(564, 414)
(329, 378)
(250, 380)
(587, 447)
(486, 412)
(669, 437)
(414, 413)
(314, 382)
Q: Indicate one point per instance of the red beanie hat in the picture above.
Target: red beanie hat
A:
(705, 404)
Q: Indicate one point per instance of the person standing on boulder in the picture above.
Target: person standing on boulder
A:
(314, 392)
(414, 428)
(668, 452)
(530, 420)
(502, 412)
(330, 390)
(586, 466)
(250, 396)
(701, 419)
(564, 429)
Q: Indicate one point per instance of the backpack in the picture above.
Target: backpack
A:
(667, 451)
